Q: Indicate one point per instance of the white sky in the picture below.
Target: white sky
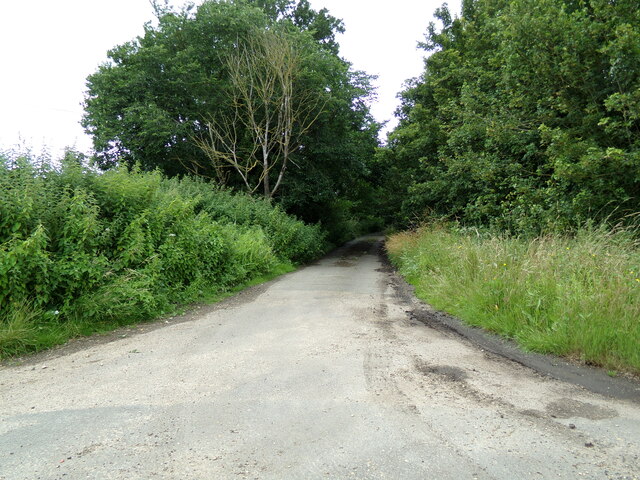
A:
(48, 48)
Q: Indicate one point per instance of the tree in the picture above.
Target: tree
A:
(159, 92)
(144, 105)
(525, 117)
(266, 105)
(322, 26)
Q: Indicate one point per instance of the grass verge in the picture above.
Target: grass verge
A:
(84, 252)
(577, 297)
(23, 331)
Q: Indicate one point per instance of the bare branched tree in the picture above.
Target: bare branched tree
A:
(270, 113)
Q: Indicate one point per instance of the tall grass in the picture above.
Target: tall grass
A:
(575, 296)
(82, 252)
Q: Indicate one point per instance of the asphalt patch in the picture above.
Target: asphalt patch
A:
(569, 408)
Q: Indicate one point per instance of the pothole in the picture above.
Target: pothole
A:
(447, 372)
(344, 263)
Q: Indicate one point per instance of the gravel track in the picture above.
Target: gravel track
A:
(334, 371)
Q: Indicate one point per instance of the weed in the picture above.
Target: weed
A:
(573, 296)
(125, 246)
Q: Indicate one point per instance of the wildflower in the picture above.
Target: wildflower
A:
(172, 234)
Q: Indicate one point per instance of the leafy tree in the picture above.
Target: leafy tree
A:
(524, 116)
(322, 26)
(145, 104)
(159, 92)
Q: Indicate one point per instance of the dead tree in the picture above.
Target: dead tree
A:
(270, 112)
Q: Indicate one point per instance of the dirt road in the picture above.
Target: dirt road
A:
(327, 372)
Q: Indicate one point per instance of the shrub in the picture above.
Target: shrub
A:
(108, 249)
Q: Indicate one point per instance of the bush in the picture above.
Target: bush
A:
(291, 239)
(120, 247)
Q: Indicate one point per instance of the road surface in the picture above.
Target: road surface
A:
(325, 373)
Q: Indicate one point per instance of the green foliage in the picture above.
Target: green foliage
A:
(152, 100)
(290, 239)
(25, 268)
(82, 251)
(577, 297)
(526, 117)
(146, 103)
(19, 329)
(122, 298)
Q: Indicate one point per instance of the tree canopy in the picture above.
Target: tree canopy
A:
(160, 93)
(526, 116)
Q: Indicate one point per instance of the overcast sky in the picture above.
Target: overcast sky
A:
(48, 48)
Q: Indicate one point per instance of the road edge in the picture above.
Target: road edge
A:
(592, 379)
